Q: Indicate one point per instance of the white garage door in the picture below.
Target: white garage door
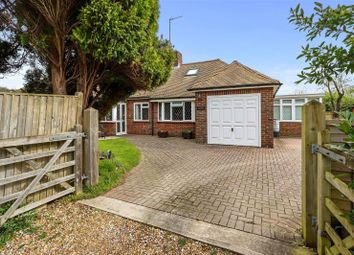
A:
(234, 120)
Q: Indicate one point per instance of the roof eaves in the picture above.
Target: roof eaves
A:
(138, 98)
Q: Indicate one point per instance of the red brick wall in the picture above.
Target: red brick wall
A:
(144, 128)
(289, 129)
(266, 113)
(109, 128)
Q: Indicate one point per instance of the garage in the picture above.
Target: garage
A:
(234, 120)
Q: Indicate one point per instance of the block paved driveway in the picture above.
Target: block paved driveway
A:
(249, 189)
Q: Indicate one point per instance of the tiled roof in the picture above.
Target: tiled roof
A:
(234, 75)
(211, 74)
(178, 84)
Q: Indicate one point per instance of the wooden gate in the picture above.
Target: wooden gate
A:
(327, 179)
(40, 150)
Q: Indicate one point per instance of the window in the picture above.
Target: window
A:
(141, 111)
(176, 111)
(108, 117)
(298, 112)
(192, 72)
(287, 114)
(298, 105)
(289, 109)
(277, 112)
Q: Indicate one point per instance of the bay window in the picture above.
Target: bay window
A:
(141, 111)
(176, 111)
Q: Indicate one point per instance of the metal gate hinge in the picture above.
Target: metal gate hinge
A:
(315, 148)
(84, 177)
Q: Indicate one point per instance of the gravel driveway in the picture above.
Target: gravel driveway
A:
(256, 190)
(75, 229)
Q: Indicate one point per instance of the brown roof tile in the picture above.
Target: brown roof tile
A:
(211, 74)
(234, 75)
(178, 84)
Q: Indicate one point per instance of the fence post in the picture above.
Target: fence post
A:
(91, 146)
(324, 190)
(78, 160)
(313, 121)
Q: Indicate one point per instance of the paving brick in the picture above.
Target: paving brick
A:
(251, 189)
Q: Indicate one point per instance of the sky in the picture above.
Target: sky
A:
(254, 32)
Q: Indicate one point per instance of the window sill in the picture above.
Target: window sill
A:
(176, 121)
(296, 121)
(141, 120)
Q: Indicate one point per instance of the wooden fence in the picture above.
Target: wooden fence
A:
(327, 199)
(41, 149)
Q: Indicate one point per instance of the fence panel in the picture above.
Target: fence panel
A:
(25, 118)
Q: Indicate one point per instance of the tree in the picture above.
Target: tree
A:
(327, 62)
(347, 100)
(37, 81)
(102, 46)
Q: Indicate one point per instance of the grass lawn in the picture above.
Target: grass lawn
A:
(125, 156)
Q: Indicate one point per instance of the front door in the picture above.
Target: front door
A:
(121, 118)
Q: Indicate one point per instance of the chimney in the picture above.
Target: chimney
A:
(178, 62)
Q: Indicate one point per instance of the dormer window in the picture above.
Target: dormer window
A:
(192, 72)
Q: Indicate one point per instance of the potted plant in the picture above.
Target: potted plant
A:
(187, 134)
(162, 133)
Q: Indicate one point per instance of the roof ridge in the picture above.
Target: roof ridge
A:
(199, 62)
(253, 70)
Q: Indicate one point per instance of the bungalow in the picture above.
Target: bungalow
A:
(221, 103)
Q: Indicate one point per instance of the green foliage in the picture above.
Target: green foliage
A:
(347, 100)
(350, 216)
(115, 30)
(37, 81)
(346, 127)
(112, 171)
(23, 222)
(125, 32)
(326, 60)
(182, 241)
(105, 49)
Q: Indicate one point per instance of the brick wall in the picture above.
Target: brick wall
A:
(109, 128)
(267, 100)
(145, 128)
(289, 129)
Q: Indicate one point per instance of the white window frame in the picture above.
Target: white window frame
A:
(280, 111)
(293, 106)
(161, 117)
(142, 105)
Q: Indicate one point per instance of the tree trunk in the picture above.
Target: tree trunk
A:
(58, 80)
(339, 102)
